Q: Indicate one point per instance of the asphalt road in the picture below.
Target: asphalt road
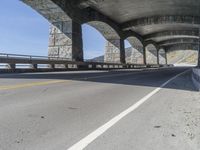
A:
(56, 111)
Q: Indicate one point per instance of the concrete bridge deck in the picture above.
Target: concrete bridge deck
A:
(53, 111)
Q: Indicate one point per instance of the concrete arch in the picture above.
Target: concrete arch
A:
(137, 50)
(65, 37)
(48, 9)
(105, 29)
(94, 18)
(114, 50)
(146, 43)
(151, 54)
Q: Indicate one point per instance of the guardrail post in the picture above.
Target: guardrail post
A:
(82, 66)
(12, 66)
(66, 66)
(92, 66)
(52, 66)
(34, 66)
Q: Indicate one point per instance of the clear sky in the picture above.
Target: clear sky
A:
(24, 31)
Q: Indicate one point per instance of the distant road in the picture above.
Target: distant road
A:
(58, 110)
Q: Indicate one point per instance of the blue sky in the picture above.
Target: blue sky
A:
(24, 31)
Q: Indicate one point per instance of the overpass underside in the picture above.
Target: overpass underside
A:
(153, 29)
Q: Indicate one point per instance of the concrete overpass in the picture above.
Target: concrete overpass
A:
(129, 109)
(142, 23)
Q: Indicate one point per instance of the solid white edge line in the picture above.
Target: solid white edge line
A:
(95, 134)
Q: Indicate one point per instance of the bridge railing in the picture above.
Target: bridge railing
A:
(12, 60)
(29, 57)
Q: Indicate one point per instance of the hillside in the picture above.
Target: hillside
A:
(174, 57)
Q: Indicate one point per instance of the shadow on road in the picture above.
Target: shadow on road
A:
(149, 78)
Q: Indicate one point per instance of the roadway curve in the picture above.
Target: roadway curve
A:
(53, 111)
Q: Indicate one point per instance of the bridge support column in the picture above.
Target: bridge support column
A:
(158, 61)
(115, 52)
(144, 56)
(166, 57)
(65, 40)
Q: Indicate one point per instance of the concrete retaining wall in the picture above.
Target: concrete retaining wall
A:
(196, 77)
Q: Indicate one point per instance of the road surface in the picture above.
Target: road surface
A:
(59, 110)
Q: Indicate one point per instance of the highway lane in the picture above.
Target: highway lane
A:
(51, 111)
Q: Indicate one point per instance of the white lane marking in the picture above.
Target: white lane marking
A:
(95, 134)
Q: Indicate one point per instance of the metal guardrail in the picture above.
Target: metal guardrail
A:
(30, 57)
(13, 59)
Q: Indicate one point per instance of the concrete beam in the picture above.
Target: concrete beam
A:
(180, 40)
(167, 35)
(182, 47)
(85, 3)
(160, 20)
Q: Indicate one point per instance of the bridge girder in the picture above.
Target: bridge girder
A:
(182, 46)
(179, 40)
(174, 34)
(165, 22)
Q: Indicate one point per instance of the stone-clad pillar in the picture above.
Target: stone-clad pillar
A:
(65, 40)
(114, 51)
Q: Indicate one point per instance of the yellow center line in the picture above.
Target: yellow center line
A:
(10, 87)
